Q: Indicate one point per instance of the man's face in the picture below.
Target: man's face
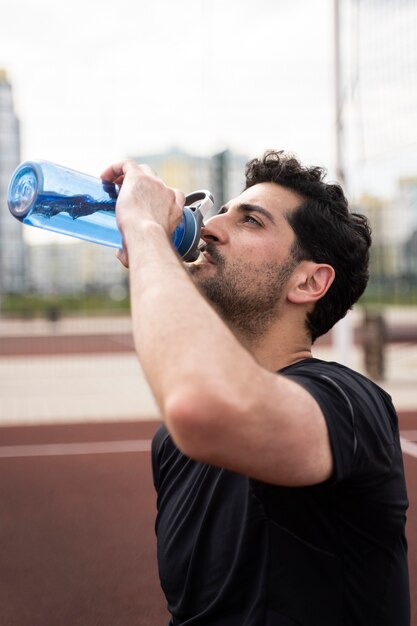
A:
(247, 258)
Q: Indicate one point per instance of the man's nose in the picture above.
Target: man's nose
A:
(214, 229)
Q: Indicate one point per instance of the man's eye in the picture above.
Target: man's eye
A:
(252, 220)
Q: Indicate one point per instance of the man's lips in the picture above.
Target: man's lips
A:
(208, 257)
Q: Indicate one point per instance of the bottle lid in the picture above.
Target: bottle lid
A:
(23, 189)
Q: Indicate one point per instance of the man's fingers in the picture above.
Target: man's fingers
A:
(116, 172)
(179, 197)
(143, 195)
(113, 172)
(121, 254)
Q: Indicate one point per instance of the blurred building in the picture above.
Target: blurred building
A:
(394, 234)
(384, 252)
(227, 171)
(408, 199)
(179, 169)
(222, 174)
(12, 245)
(75, 268)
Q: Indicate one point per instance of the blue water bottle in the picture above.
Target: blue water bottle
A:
(62, 200)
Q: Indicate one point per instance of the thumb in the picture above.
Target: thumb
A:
(122, 255)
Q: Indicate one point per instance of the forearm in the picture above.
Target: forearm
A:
(180, 340)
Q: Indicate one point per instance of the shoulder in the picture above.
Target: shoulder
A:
(361, 419)
(316, 375)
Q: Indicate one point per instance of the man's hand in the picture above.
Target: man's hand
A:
(144, 198)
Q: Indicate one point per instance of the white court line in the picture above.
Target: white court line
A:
(111, 447)
(411, 435)
(64, 449)
(409, 447)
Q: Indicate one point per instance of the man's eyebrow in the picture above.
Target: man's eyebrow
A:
(251, 208)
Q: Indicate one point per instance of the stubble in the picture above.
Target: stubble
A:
(247, 297)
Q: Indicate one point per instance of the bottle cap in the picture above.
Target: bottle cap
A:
(24, 187)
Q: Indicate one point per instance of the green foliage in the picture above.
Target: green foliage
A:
(54, 307)
(389, 297)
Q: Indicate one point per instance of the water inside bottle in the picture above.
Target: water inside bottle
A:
(80, 216)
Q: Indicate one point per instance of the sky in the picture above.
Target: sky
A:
(97, 81)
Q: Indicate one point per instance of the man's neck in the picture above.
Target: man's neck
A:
(277, 347)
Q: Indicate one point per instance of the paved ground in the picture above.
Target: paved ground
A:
(86, 370)
(76, 531)
(78, 545)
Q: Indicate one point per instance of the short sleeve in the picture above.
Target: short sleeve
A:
(158, 441)
(361, 420)
(338, 412)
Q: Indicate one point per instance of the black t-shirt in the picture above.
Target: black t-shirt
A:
(233, 551)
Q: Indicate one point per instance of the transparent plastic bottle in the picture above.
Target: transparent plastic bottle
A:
(62, 200)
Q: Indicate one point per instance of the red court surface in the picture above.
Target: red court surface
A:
(116, 341)
(76, 530)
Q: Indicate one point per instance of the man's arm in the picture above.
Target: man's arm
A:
(219, 405)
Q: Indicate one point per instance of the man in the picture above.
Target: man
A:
(281, 494)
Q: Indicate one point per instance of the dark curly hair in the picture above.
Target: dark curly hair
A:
(325, 231)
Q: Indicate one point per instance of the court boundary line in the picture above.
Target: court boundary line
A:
(408, 447)
(410, 435)
(66, 449)
(113, 447)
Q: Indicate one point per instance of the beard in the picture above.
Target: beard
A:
(247, 297)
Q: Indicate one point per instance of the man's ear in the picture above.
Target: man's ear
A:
(311, 281)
